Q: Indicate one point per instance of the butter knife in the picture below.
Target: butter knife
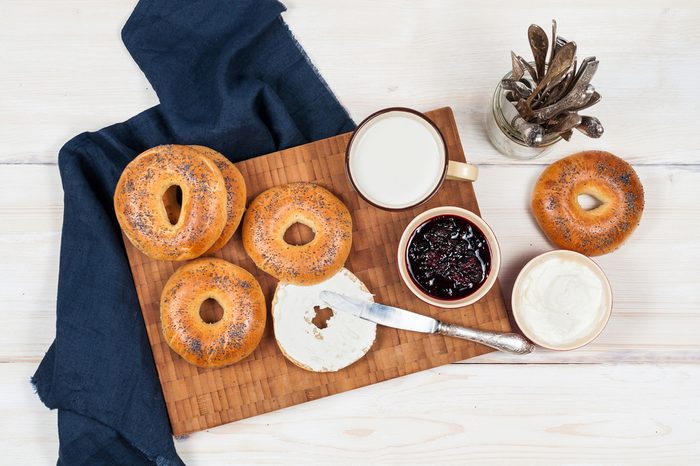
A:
(406, 320)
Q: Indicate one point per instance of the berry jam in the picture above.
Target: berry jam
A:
(448, 257)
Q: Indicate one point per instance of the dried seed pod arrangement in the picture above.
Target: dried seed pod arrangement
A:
(549, 95)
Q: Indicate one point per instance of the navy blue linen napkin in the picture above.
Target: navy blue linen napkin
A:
(229, 75)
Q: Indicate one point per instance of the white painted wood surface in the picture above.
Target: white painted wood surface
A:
(633, 396)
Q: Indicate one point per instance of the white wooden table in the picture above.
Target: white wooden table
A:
(633, 396)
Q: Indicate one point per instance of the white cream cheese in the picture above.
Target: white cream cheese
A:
(345, 339)
(562, 300)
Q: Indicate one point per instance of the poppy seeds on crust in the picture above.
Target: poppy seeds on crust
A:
(272, 211)
(556, 209)
(142, 183)
(226, 341)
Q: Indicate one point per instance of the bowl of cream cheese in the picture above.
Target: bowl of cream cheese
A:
(561, 300)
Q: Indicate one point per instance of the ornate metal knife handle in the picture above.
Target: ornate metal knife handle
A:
(507, 342)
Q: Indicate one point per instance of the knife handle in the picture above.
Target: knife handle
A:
(507, 342)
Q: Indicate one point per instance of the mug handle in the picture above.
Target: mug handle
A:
(462, 171)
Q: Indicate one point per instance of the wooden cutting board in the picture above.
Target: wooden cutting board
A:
(198, 398)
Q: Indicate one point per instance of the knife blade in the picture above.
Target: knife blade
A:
(395, 317)
(380, 314)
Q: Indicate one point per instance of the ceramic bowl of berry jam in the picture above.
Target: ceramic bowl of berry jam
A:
(449, 257)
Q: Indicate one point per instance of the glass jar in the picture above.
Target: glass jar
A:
(504, 136)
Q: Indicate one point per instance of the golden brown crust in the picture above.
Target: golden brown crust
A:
(273, 211)
(235, 194)
(602, 175)
(138, 202)
(221, 343)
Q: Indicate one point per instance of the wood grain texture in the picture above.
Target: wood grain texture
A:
(444, 52)
(64, 77)
(649, 322)
(456, 414)
(64, 71)
(198, 399)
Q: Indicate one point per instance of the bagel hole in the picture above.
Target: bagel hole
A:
(172, 201)
(320, 320)
(298, 234)
(588, 202)
(211, 311)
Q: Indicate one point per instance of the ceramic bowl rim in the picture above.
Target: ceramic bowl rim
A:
(490, 238)
(534, 338)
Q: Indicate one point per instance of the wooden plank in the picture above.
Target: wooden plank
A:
(31, 211)
(486, 414)
(27, 428)
(649, 323)
(64, 60)
(63, 77)
(67, 76)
